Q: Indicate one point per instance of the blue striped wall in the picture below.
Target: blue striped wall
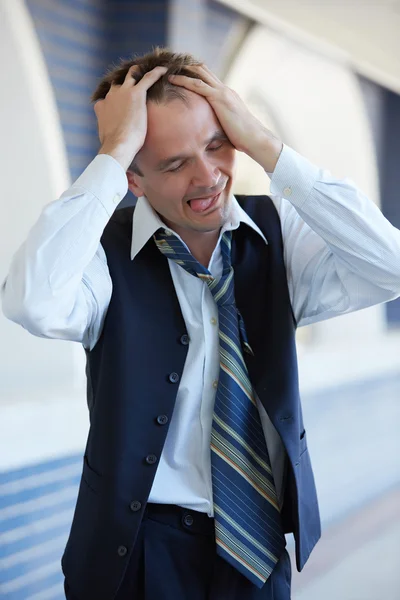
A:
(79, 40)
(36, 509)
(72, 36)
(134, 27)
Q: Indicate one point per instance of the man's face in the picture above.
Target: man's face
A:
(187, 165)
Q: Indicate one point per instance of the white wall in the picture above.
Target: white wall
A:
(33, 171)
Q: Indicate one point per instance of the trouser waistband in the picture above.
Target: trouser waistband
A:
(181, 518)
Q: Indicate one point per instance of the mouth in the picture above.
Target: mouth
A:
(202, 205)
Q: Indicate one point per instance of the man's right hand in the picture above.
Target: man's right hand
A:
(122, 116)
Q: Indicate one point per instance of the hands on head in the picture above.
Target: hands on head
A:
(122, 114)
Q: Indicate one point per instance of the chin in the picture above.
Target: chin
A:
(214, 222)
(221, 211)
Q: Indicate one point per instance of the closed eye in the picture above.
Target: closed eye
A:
(178, 168)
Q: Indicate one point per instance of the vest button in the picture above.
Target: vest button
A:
(151, 459)
(173, 377)
(184, 339)
(122, 550)
(162, 419)
(135, 505)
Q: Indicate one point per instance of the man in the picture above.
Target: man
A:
(196, 462)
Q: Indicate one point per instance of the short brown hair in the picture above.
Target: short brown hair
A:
(162, 90)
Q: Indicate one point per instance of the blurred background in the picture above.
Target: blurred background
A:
(325, 76)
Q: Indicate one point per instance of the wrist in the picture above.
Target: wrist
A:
(265, 150)
(120, 153)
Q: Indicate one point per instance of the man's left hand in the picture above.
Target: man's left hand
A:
(245, 132)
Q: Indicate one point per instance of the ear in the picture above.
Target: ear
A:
(135, 184)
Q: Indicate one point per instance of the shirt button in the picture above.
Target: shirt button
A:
(135, 505)
(122, 550)
(162, 419)
(287, 191)
(151, 459)
(215, 384)
(173, 377)
(213, 321)
(168, 232)
(184, 339)
(117, 199)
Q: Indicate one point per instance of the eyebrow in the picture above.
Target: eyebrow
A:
(217, 136)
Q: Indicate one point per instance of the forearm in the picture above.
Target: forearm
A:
(265, 149)
(360, 239)
(46, 272)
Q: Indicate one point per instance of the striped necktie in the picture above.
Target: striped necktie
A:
(248, 529)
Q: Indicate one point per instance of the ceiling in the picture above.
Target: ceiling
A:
(364, 33)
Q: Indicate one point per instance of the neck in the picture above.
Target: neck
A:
(203, 252)
(201, 244)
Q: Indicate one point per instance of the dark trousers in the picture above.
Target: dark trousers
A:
(174, 558)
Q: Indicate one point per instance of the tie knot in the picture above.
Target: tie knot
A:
(172, 247)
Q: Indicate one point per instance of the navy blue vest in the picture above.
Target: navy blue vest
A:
(133, 376)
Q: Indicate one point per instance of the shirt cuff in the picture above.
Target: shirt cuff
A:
(294, 177)
(105, 178)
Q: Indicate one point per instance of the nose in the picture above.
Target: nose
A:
(206, 174)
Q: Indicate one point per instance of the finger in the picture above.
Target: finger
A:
(206, 75)
(130, 78)
(151, 77)
(210, 74)
(113, 87)
(193, 84)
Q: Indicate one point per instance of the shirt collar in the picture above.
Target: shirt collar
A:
(146, 222)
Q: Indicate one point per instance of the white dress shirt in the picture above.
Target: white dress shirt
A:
(341, 255)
